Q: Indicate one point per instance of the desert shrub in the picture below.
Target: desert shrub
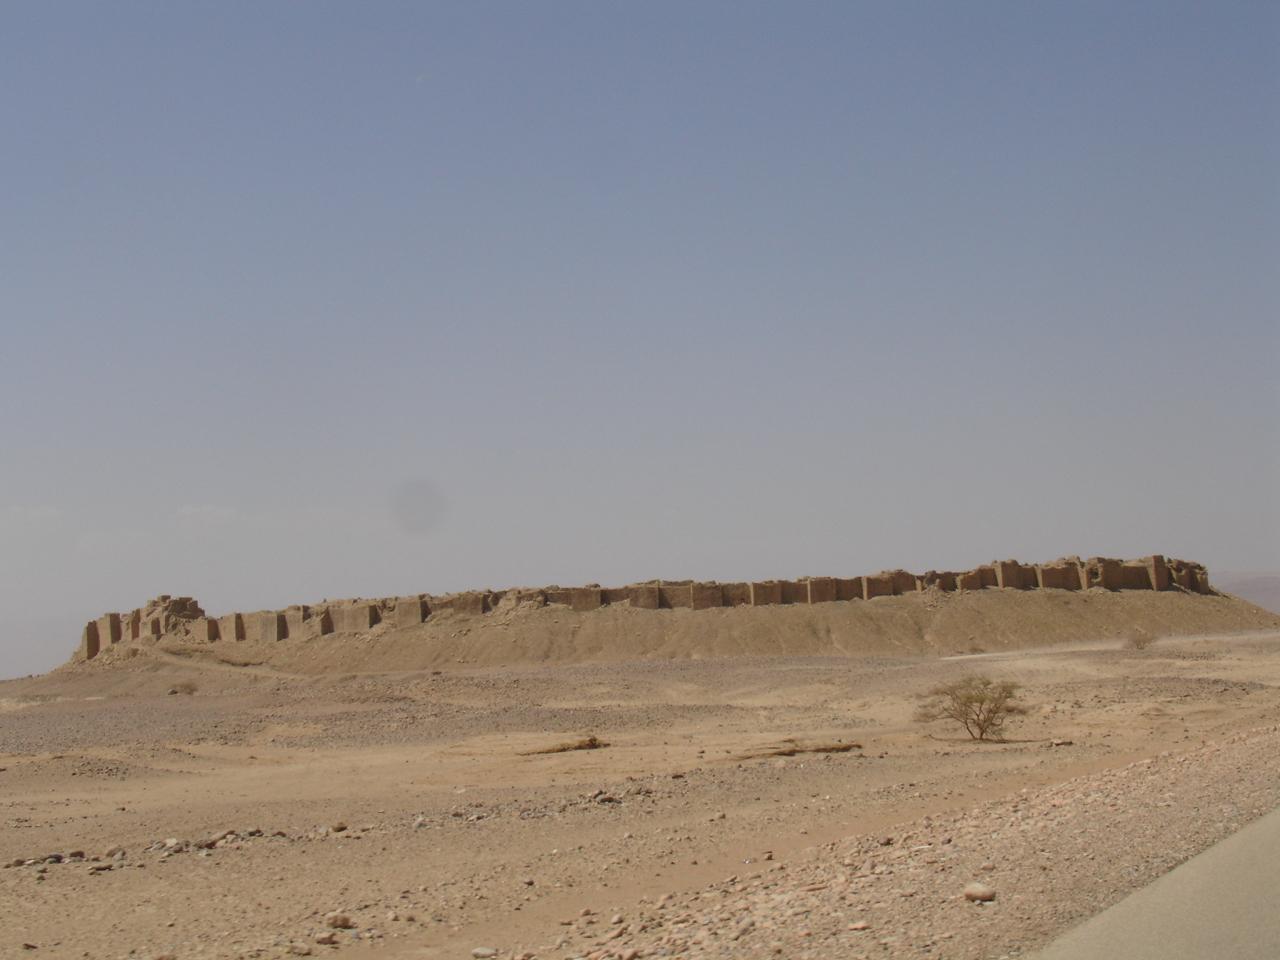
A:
(187, 687)
(979, 704)
(1139, 639)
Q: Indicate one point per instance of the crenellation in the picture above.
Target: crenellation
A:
(181, 618)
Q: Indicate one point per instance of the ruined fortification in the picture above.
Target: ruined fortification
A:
(182, 618)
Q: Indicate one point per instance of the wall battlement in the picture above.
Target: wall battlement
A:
(183, 618)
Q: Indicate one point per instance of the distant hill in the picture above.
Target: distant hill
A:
(1260, 588)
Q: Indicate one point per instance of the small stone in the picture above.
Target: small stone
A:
(860, 925)
(339, 827)
(979, 893)
(339, 921)
(480, 953)
(327, 939)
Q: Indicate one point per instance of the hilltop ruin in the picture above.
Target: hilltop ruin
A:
(183, 618)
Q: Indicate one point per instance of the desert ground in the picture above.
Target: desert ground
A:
(761, 788)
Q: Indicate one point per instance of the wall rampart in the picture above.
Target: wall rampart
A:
(182, 617)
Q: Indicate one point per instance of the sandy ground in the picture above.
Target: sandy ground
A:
(409, 803)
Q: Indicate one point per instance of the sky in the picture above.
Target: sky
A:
(337, 299)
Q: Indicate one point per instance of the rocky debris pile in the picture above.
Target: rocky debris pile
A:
(602, 797)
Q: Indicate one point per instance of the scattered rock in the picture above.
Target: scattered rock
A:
(339, 921)
(482, 952)
(979, 893)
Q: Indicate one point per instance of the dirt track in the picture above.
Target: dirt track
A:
(455, 840)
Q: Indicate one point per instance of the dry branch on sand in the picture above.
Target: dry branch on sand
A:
(791, 748)
(588, 743)
(979, 704)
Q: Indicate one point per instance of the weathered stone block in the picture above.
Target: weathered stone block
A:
(704, 596)
(474, 603)
(109, 629)
(296, 617)
(903, 582)
(943, 580)
(204, 630)
(848, 588)
(645, 596)
(822, 589)
(969, 580)
(1158, 571)
(272, 626)
(89, 642)
(1104, 573)
(1012, 575)
(585, 598)
(1201, 579)
(1058, 576)
(1135, 576)
(793, 591)
(536, 597)
(878, 585)
(231, 627)
(410, 611)
(765, 593)
(152, 627)
(675, 594)
(356, 617)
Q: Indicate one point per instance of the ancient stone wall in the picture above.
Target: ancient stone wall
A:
(181, 618)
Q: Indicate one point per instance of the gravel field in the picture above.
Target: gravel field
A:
(409, 814)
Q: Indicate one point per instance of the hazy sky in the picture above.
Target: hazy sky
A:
(336, 299)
